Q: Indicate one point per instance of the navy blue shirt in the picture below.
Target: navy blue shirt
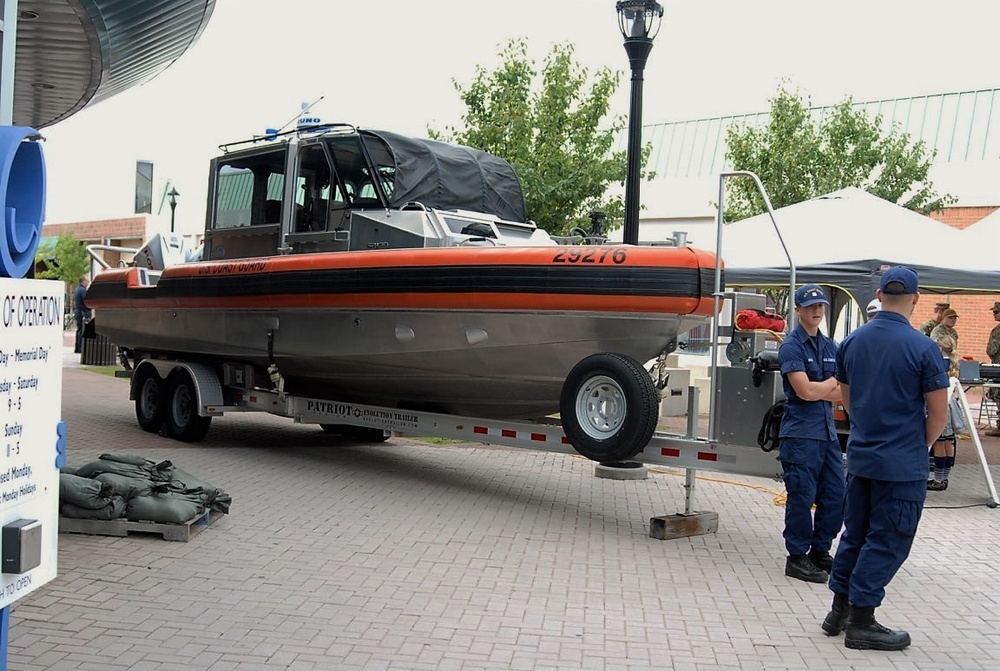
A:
(80, 308)
(816, 356)
(889, 366)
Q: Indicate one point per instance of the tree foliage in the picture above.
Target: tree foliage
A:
(64, 258)
(798, 156)
(552, 136)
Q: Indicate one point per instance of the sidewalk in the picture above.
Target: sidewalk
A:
(405, 555)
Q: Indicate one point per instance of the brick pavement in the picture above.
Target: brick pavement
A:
(404, 555)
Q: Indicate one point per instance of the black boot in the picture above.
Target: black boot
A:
(864, 633)
(836, 619)
(800, 568)
(821, 560)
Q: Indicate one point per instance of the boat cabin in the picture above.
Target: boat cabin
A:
(337, 188)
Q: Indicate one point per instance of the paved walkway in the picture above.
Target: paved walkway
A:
(407, 555)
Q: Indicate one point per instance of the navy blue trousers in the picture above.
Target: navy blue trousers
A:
(814, 475)
(880, 523)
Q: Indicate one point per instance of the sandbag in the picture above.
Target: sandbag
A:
(168, 507)
(93, 468)
(83, 492)
(133, 459)
(130, 465)
(125, 486)
(113, 510)
(153, 491)
(211, 496)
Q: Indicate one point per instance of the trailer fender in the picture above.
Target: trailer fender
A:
(206, 383)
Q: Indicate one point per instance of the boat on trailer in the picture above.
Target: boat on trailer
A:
(363, 266)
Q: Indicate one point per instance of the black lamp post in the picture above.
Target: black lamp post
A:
(173, 193)
(639, 21)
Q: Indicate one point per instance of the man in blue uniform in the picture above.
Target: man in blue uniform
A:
(81, 311)
(895, 387)
(811, 459)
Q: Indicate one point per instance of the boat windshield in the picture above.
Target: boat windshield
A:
(364, 188)
(249, 190)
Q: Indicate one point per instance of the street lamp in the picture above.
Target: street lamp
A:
(173, 193)
(639, 21)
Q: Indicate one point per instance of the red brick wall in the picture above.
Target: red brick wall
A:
(975, 320)
(127, 228)
(962, 217)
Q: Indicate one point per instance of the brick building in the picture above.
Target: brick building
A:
(128, 232)
(975, 319)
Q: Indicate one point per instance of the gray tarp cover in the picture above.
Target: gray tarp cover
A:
(448, 176)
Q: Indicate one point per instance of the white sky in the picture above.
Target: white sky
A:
(392, 68)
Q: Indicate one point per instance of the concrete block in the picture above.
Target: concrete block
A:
(680, 525)
(674, 404)
(624, 470)
(704, 385)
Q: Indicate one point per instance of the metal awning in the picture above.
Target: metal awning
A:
(74, 53)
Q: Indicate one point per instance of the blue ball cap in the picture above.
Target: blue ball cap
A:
(899, 280)
(809, 294)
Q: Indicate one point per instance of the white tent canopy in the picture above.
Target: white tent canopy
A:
(846, 240)
(845, 225)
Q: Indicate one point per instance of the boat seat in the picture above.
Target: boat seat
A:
(272, 211)
(316, 221)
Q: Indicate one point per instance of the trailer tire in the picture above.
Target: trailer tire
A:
(609, 407)
(362, 434)
(150, 391)
(183, 421)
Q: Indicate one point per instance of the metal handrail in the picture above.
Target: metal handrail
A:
(718, 288)
(97, 258)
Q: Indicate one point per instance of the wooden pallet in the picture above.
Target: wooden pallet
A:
(123, 527)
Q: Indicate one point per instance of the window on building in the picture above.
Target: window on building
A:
(143, 187)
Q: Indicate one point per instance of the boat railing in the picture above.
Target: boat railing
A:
(277, 134)
(580, 239)
(94, 251)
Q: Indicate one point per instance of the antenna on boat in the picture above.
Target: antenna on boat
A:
(301, 115)
(273, 133)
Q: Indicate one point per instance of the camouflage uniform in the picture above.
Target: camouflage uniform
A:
(993, 352)
(942, 329)
(993, 345)
(933, 321)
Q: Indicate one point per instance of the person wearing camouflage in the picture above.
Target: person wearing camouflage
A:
(993, 352)
(947, 325)
(929, 325)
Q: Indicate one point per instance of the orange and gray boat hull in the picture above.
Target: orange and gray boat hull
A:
(490, 332)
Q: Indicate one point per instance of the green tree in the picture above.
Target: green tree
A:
(552, 136)
(64, 258)
(798, 156)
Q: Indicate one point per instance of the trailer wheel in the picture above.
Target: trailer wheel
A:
(150, 399)
(609, 407)
(362, 434)
(183, 421)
